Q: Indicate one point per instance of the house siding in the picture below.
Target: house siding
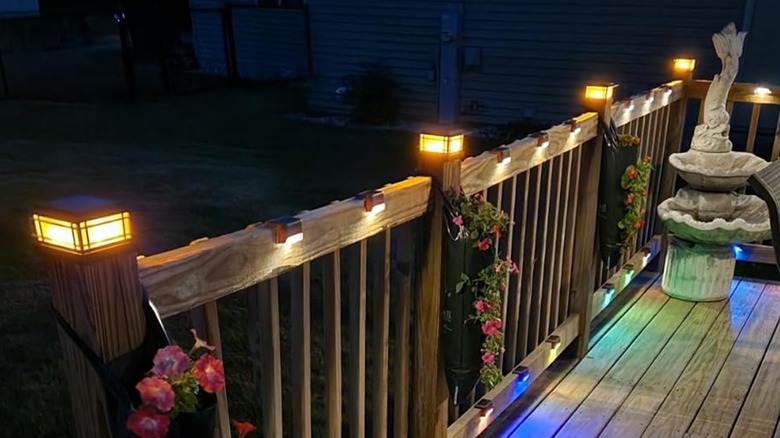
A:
(208, 35)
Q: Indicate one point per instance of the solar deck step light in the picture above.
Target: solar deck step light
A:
(373, 201)
(89, 251)
(503, 155)
(542, 139)
(288, 230)
(485, 407)
(554, 341)
(522, 373)
(574, 124)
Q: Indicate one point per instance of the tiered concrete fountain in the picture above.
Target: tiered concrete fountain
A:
(709, 217)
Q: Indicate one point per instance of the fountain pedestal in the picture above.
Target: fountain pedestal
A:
(698, 272)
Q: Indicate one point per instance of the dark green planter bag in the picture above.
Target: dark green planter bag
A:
(461, 336)
(615, 159)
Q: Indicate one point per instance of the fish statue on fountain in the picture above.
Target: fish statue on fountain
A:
(707, 218)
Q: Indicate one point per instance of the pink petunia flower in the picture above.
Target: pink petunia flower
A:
(492, 328)
(497, 230)
(170, 361)
(481, 306)
(513, 268)
(210, 373)
(488, 358)
(200, 343)
(156, 392)
(243, 428)
(484, 244)
(458, 220)
(146, 423)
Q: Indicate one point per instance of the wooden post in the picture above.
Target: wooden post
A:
(99, 295)
(429, 415)
(587, 214)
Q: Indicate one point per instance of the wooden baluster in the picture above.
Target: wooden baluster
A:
(403, 300)
(550, 258)
(753, 130)
(213, 338)
(508, 251)
(572, 224)
(519, 232)
(564, 234)
(331, 280)
(381, 338)
(529, 259)
(776, 144)
(300, 333)
(539, 298)
(357, 343)
(270, 357)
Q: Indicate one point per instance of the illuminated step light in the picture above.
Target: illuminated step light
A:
(667, 90)
(289, 230)
(650, 98)
(685, 65)
(554, 341)
(609, 289)
(449, 142)
(503, 155)
(647, 255)
(522, 373)
(542, 139)
(630, 107)
(599, 92)
(81, 225)
(762, 91)
(737, 251)
(373, 201)
(485, 407)
(574, 124)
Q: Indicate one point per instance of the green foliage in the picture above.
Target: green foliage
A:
(628, 140)
(372, 95)
(635, 181)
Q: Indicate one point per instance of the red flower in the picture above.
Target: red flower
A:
(488, 358)
(632, 172)
(478, 196)
(648, 159)
(639, 224)
(146, 423)
(481, 306)
(200, 343)
(512, 266)
(484, 244)
(497, 230)
(629, 199)
(492, 328)
(243, 428)
(209, 373)
(170, 361)
(156, 392)
(458, 220)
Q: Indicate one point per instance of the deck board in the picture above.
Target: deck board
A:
(553, 412)
(667, 368)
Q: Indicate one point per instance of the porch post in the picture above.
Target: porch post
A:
(429, 414)
(97, 291)
(587, 201)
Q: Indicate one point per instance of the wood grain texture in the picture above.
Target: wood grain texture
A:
(402, 359)
(776, 142)
(642, 106)
(685, 398)
(761, 408)
(740, 92)
(270, 357)
(755, 114)
(571, 225)
(719, 411)
(539, 295)
(357, 342)
(556, 272)
(561, 404)
(550, 259)
(381, 339)
(528, 263)
(300, 333)
(515, 298)
(650, 392)
(483, 171)
(213, 337)
(331, 285)
(186, 277)
(470, 424)
(756, 253)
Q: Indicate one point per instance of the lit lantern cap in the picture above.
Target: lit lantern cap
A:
(554, 341)
(81, 225)
(289, 229)
(542, 139)
(685, 65)
(485, 407)
(373, 201)
(522, 373)
(448, 142)
(600, 92)
(503, 155)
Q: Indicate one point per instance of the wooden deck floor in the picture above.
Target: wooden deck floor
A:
(662, 367)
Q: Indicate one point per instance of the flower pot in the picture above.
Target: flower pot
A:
(462, 336)
(198, 424)
(614, 162)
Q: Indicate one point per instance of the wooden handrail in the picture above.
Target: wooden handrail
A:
(740, 92)
(184, 278)
(642, 105)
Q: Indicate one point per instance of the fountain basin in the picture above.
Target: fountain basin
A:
(716, 218)
(716, 172)
(698, 272)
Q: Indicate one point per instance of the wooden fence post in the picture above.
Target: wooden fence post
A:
(587, 214)
(429, 413)
(98, 294)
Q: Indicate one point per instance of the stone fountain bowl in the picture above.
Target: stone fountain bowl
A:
(716, 172)
(716, 218)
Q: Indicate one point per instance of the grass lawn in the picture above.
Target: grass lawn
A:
(188, 167)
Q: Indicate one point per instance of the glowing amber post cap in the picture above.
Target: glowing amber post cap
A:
(81, 225)
(448, 142)
(684, 64)
(289, 229)
(599, 92)
(373, 201)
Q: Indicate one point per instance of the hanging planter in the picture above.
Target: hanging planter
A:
(620, 152)
(474, 278)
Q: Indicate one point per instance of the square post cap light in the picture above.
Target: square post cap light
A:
(81, 225)
(448, 142)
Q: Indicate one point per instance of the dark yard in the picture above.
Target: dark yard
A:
(188, 167)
